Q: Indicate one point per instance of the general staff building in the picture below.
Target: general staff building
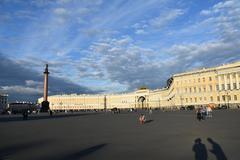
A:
(219, 86)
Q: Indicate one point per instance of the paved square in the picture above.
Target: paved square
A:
(170, 135)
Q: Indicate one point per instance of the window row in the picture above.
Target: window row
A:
(227, 98)
(194, 80)
(228, 86)
(209, 78)
(234, 75)
(195, 89)
(210, 99)
(3, 102)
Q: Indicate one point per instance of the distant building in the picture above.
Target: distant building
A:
(19, 107)
(3, 102)
(218, 86)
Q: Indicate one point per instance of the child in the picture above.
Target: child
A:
(142, 119)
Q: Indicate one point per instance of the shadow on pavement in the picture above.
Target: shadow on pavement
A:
(149, 121)
(41, 117)
(75, 155)
(200, 150)
(217, 150)
(83, 153)
(13, 149)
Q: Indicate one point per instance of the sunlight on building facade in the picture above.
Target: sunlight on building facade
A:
(219, 86)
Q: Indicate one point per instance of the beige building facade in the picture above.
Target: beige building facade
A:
(219, 86)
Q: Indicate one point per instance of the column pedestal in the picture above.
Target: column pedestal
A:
(45, 106)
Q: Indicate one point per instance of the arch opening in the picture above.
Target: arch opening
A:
(141, 101)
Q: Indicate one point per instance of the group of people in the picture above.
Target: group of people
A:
(203, 113)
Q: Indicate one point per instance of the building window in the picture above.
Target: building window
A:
(199, 89)
(217, 87)
(200, 98)
(195, 99)
(203, 79)
(218, 98)
(229, 98)
(210, 78)
(228, 86)
(234, 86)
(223, 87)
(210, 88)
(195, 89)
(185, 90)
(190, 99)
(205, 99)
(186, 100)
(235, 97)
(223, 98)
(211, 98)
(228, 76)
(198, 79)
(204, 89)
(190, 89)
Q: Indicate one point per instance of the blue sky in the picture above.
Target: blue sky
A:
(114, 46)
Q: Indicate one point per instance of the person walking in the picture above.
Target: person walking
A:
(199, 114)
(150, 111)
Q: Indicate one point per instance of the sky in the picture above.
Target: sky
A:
(111, 46)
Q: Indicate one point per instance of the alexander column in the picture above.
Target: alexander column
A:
(45, 103)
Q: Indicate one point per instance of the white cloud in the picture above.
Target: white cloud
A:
(165, 18)
(21, 90)
(63, 1)
(205, 12)
(140, 31)
(61, 11)
(33, 83)
(133, 66)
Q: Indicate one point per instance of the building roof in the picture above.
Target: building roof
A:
(224, 66)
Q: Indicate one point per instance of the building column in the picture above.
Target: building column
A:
(225, 81)
(237, 80)
(219, 83)
(231, 82)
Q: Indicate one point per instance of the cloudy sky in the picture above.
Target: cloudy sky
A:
(103, 46)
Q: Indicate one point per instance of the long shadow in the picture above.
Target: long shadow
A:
(13, 149)
(43, 116)
(83, 153)
(217, 150)
(76, 155)
(149, 121)
(200, 150)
